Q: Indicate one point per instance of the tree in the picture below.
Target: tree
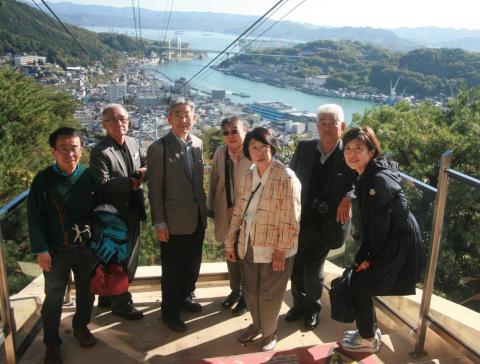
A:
(28, 114)
(417, 137)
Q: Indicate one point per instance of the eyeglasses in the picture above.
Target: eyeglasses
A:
(227, 133)
(122, 119)
(328, 125)
(262, 148)
(67, 151)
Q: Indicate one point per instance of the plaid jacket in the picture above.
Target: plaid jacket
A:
(277, 220)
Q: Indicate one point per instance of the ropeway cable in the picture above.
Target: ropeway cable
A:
(232, 43)
(70, 33)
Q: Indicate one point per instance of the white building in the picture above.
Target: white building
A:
(29, 60)
(312, 130)
(315, 81)
(116, 91)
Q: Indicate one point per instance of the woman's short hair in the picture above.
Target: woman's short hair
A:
(263, 136)
(365, 134)
(332, 109)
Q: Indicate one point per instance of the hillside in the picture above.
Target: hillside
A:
(365, 68)
(24, 29)
(96, 15)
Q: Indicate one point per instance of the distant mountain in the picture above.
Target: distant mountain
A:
(355, 66)
(471, 44)
(442, 37)
(95, 15)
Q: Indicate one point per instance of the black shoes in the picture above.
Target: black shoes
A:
(127, 311)
(294, 314)
(312, 320)
(191, 306)
(241, 308)
(175, 323)
(52, 355)
(104, 302)
(84, 337)
(232, 298)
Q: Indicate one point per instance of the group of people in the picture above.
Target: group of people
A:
(275, 223)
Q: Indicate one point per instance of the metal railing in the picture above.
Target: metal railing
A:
(9, 327)
(12, 352)
(425, 318)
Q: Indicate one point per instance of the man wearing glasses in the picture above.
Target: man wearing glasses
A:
(60, 201)
(229, 166)
(120, 163)
(327, 190)
(177, 201)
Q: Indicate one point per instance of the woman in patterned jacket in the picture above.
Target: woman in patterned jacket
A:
(266, 221)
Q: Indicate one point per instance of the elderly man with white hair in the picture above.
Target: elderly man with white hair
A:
(327, 190)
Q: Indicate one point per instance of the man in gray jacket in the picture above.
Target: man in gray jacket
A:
(177, 201)
(120, 163)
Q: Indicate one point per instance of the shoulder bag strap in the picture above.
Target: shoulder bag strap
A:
(228, 190)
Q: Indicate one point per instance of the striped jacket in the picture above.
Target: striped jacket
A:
(277, 220)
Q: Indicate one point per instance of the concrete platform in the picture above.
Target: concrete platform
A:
(214, 332)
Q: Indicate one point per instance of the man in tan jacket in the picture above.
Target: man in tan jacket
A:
(229, 167)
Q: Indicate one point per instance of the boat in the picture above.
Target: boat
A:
(241, 94)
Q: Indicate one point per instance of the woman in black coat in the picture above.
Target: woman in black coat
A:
(388, 261)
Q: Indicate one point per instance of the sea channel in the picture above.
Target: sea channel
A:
(215, 80)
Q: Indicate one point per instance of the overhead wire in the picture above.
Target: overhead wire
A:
(275, 23)
(139, 22)
(260, 35)
(233, 42)
(135, 21)
(210, 71)
(168, 22)
(70, 33)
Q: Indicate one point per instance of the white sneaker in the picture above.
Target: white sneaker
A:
(360, 345)
(350, 333)
(269, 343)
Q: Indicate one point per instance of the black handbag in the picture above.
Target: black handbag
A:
(341, 303)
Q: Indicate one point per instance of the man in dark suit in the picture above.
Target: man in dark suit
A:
(177, 200)
(120, 163)
(326, 210)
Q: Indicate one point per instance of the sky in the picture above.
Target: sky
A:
(372, 13)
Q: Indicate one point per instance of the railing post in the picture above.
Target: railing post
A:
(437, 225)
(9, 328)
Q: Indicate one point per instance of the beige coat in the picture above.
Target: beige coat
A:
(217, 197)
(277, 219)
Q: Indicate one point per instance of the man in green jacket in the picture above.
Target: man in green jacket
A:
(61, 199)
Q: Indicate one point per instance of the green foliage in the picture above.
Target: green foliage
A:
(417, 137)
(28, 114)
(212, 139)
(366, 68)
(25, 29)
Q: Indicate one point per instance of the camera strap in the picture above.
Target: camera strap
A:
(228, 179)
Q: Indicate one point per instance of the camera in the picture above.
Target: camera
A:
(320, 206)
(136, 175)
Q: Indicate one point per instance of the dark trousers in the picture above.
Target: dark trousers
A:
(307, 278)
(181, 257)
(234, 273)
(80, 260)
(118, 302)
(365, 317)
